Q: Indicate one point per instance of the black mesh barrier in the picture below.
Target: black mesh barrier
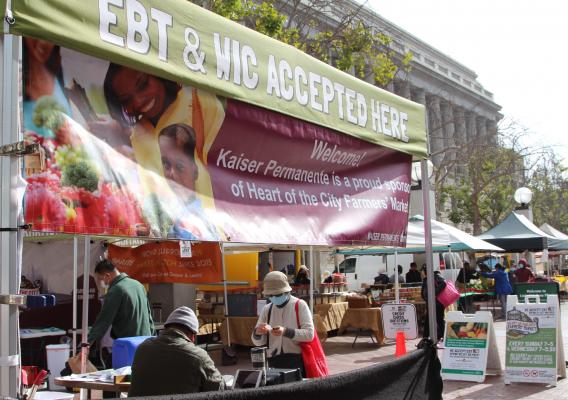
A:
(415, 376)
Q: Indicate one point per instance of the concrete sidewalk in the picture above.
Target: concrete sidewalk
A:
(343, 357)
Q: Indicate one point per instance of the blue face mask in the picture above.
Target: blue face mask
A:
(279, 300)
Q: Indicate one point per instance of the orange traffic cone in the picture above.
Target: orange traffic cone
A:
(400, 344)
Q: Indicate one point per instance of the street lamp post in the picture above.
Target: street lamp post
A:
(416, 201)
(523, 196)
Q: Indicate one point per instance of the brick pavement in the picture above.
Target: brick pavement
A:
(342, 357)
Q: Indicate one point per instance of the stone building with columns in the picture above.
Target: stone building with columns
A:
(460, 110)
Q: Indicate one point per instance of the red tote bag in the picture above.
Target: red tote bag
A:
(313, 356)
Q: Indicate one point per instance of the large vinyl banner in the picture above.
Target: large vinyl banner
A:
(136, 155)
(161, 262)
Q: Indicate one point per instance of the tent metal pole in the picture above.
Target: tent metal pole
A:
(85, 316)
(451, 260)
(75, 246)
(312, 280)
(396, 290)
(10, 217)
(225, 291)
(429, 253)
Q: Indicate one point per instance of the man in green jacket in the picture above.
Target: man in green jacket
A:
(172, 363)
(125, 307)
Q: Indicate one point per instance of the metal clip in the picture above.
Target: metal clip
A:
(19, 149)
(13, 299)
(24, 227)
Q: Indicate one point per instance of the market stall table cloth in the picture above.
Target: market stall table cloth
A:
(331, 314)
(364, 318)
(241, 329)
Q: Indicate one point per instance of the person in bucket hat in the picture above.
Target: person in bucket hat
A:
(278, 327)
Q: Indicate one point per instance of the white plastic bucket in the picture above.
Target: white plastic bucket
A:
(57, 355)
(53, 396)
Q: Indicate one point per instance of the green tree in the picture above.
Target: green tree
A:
(477, 186)
(344, 41)
(549, 184)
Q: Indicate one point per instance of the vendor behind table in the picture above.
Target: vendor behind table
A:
(125, 310)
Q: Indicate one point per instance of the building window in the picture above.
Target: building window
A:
(430, 62)
(443, 69)
(456, 76)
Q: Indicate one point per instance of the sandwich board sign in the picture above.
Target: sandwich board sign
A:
(399, 317)
(542, 289)
(470, 347)
(535, 351)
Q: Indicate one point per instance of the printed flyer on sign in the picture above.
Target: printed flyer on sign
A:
(399, 318)
(466, 346)
(531, 352)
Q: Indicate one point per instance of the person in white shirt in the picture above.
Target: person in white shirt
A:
(283, 324)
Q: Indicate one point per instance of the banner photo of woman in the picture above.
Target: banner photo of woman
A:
(132, 154)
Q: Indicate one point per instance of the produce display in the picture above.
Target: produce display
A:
(405, 294)
(480, 285)
(472, 330)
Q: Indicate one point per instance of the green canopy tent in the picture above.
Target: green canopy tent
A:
(517, 234)
(561, 241)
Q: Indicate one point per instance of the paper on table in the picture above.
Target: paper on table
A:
(106, 375)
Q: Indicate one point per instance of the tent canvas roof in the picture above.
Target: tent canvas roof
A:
(516, 233)
(444, 237)
(561, 241)
(548, 229)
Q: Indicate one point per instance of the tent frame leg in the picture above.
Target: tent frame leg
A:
(429, 254)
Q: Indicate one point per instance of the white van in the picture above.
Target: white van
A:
(363, 269)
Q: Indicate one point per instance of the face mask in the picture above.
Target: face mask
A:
(279, 300)
(103, 285)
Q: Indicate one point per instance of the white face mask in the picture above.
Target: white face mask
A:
(103, 285)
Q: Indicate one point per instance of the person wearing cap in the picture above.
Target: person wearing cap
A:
(524, 273)
(171, 363)
(278, 327)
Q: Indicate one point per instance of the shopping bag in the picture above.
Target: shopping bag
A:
(313, 356)
(449, 295)
(75, 364)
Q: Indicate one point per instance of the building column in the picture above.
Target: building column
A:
(449, 130)
(402, 88)
(436, 132)
(460, 124)
(461, 135)
(471, 126)
(492, 134)
(482, 129)
(419, 96)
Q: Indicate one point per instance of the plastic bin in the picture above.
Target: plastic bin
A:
(53, 396)
(123, 350)
(57, 356)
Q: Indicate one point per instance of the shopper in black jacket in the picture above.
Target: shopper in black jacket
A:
(440, 284)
